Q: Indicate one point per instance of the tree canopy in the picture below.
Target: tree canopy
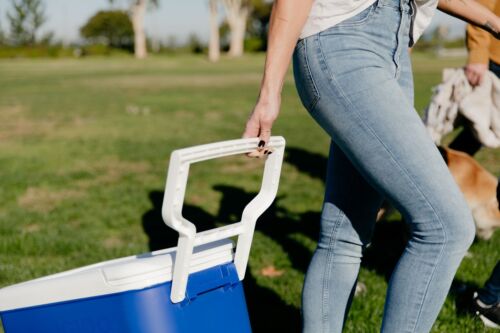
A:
(112, 27)
(26, 18)
(259, 22)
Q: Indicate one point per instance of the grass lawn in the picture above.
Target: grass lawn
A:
(84, 147)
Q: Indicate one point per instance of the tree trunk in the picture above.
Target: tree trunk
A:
(237, 38)
(237, 14)
(214, 43)
(138, 12)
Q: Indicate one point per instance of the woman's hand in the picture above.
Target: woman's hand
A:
(261, 121)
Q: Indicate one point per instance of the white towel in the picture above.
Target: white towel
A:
(480, 105)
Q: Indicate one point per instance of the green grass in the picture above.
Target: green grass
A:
(82, 175)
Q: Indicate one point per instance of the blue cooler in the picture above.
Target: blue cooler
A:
(194, 287)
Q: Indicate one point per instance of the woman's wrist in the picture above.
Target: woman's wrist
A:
(269, 94)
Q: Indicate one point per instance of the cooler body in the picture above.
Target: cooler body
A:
(215, 303)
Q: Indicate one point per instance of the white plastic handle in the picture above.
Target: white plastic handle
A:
(173, 201)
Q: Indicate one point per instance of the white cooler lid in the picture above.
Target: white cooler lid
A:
(113, 276)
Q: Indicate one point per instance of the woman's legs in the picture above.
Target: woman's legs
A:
(351, 78)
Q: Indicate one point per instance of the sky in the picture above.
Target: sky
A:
(178, 18)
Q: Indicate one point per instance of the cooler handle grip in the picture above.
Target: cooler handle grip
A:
(173, 201)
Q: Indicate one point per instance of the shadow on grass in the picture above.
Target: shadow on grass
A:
(462, 293)
(267, 311)
(387, 245)
(312, 164)
(160, 236)
(276, 223)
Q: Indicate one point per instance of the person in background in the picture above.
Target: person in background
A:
(484, 55)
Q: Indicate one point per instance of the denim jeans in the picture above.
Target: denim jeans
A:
(490, 294)
(355, 80)
(494, 67)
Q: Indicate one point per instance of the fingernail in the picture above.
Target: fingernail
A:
(261, 143)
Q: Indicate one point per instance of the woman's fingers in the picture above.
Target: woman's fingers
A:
(260, 124)
(263, 132)
(266, 123)
(252, 130)
(252, 127)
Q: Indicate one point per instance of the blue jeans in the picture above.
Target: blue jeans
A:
(355, 80)
(494, 67)
(490, 294)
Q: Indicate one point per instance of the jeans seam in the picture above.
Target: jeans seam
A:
(339, 219)
(317, 96)
(427, 201)
(438, 259)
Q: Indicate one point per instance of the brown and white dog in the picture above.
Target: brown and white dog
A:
(479, 187)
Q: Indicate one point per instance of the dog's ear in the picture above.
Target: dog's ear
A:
(444, 153)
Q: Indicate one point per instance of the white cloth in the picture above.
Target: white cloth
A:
(327, 13)
(480, 105)
(423, 11)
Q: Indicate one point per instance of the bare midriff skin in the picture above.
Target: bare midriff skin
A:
(288, 17)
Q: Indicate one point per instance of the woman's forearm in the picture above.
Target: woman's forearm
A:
(472, 12)
(287, 20)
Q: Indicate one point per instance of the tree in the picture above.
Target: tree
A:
(214, 42)
(194, 44)
(25, 20)
(112, 27)
(137, 13)
(237, 12)
(258, 24)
